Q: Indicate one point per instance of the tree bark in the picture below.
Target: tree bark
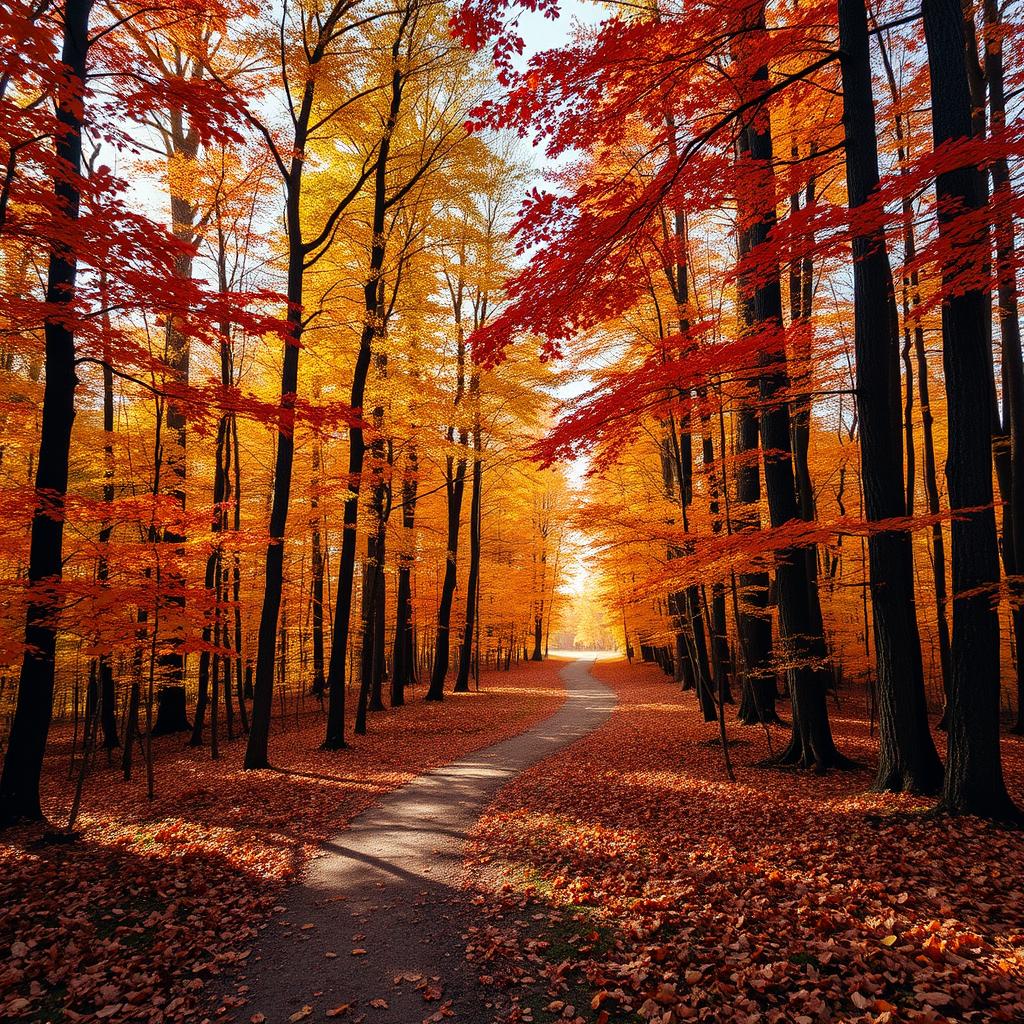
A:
(403, 662)
(754, 625)
(372, 315)
(974, 776)
(908, 761)
(456, 486)
(23, 759)
(799, 609)
(1012, 362)
(466, 657)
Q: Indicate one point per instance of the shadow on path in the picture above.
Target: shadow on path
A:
(390, 885)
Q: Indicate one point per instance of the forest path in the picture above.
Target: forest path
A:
(390, 885)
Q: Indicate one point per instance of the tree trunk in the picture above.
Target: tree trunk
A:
(913, 325)
(403, 662)
(263, 684)
(456, 489)
(799, 610)
(107, 691)
(754, 621)
(317, 573)
(466, 657)
(23, 760)
(1012, 363)
(908, 761)
(974, 775)
(372, 315)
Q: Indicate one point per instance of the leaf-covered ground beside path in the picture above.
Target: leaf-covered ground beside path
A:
(626, 879)
(133, 921)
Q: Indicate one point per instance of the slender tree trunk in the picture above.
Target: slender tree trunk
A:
(908, 760)
(182, 150)
(404, 658)
(974, 775)
(299, 251)
(107, 691)
(236, 581)
(466, 657)
(263, 683)
(754, 621)
(456, 489)
(373, 314)
(26, 745)
(317, 573)
(373, 590)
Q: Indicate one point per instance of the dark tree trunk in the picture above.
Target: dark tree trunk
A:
(182, 140)
(908, 761)
(403, 662)
(373, 598)
(754, 621)
(716, 612)
(212, 579)
(456, 489)
(799, 610)
(108, 709)
(371, 575)
(699, 654)
(131, 731)
(913, 327)
(317, 572)
(974, 775)
(236, 582)
(299, 251)
(466, 657)
(171, 715)
(26, 745)
(373, 314)
(1012, 363)
(335, 736)
(538, 635)
(263, 684)
(273, 573)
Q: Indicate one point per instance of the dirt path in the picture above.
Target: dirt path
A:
(385, 897)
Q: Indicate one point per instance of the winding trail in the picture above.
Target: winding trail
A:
(390, 885)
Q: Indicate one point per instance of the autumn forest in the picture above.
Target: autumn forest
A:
(511, 511)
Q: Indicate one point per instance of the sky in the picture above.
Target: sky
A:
(540, 33)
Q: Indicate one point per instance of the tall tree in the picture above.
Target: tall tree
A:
(974, 776)
(799, 609)
(23, 759)
(321, 32)
(908, 760)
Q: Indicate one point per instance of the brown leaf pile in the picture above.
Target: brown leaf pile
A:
(133, 920)
(626, 879)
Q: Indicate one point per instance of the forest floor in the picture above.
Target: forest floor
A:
(627, 879)
(138, 918)
(375, 929)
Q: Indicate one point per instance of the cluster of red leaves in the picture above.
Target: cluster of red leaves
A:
(133, 920)
(626, 878)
